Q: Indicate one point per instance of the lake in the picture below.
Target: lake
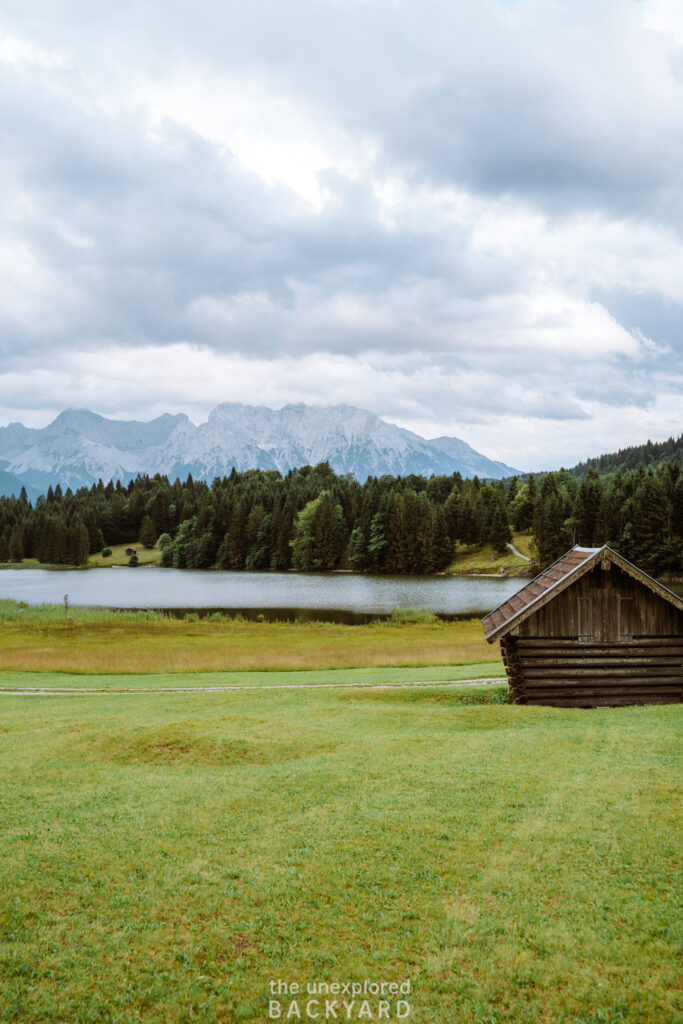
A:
(345, 597)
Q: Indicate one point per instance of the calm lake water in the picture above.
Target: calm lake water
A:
(341, 596)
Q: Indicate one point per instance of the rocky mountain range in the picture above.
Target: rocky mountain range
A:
(80, 447)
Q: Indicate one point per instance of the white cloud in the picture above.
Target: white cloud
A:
(15, 52)
(664, 16)
(279, 137)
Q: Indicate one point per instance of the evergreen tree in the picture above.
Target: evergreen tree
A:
(239, 541)
(16, 545)
(588, 507)
(148, 534)
(77, 542)
(260, 551)
(377, 544)
(358, 550)
(185, 546)
(500, 534)
(443, 545)
(206, 552)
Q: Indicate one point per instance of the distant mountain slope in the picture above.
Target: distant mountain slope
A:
(11, 484)
(649, 454)
(80, 447)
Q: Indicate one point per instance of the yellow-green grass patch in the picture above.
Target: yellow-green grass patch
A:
(116, 643)
(523, 540)
(482, 559)
(146, 556)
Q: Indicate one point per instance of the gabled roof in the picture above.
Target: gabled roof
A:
(556, 578)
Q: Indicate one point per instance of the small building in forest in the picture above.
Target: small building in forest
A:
(592, 629)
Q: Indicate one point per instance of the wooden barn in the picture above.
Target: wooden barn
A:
(591, 630)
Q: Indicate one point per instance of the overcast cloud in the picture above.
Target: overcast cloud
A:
(464, 215)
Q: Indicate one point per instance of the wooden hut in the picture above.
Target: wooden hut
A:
(591, 630)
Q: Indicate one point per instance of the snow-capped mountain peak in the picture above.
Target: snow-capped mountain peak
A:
(80, 446)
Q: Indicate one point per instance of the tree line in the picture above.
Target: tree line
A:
(648, 454)
(313, 519)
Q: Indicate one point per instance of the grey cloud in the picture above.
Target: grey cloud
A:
(151, 234)
(648, 312)
(571, 105)
(165, 225)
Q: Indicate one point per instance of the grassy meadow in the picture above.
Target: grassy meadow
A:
(482, 559)
(118, 556)
(93, 640)
(166, 856)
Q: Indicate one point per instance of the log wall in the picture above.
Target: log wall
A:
(572, 674)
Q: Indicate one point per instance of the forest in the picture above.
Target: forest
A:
(648, 454)
(312, 519)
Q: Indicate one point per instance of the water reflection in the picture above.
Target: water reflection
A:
(288, 594)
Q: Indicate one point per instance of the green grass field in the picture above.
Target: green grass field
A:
(311, 677)
(164, 857)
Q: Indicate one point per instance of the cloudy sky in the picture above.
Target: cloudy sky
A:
(464, 215)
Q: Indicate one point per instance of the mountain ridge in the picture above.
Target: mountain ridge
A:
(80, 446)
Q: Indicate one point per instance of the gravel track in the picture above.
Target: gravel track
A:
(85, 692)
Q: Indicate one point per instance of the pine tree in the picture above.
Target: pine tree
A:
(185, 545)
(16, 545)
(148, 534)
(260, 551)
(239, 542)
(77, 542)
(443, 545)
(650, 520)
(500, 534)
(358, 550)
(59, 541)
(588, 507)
(549, 538)
(206, 552)
(377, 545)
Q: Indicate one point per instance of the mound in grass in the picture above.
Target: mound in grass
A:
(188, 744)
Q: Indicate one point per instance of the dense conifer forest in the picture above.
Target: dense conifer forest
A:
(312, 519)
(648, 454)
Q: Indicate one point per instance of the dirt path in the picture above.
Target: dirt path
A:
(519, 554)
(28, 691)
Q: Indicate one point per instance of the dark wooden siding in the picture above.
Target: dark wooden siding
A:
(606, 640)
(604, 605)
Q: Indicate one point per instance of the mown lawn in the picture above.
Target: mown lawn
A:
(125, 681)
(166, 856)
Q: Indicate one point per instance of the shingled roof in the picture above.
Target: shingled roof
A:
(554, 580)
